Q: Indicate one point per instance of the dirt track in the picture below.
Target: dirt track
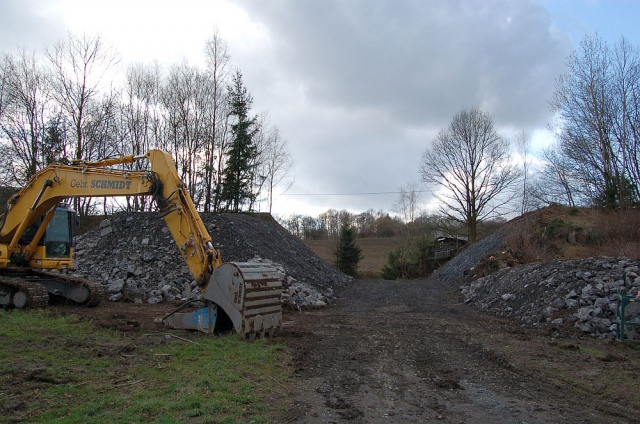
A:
(409, 352)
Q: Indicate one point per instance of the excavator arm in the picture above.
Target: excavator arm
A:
(247, 293)
(92, 179)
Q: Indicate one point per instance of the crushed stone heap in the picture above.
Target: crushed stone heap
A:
(582, 292)
(136, 258)
(471, 256)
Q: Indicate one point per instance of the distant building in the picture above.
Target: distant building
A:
(445, 247)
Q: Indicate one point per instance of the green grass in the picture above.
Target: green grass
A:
(58, 370)
(592, 351)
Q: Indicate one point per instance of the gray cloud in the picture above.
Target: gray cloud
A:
(380, 78)
(421, 61)
(25, 23)
(359, 88)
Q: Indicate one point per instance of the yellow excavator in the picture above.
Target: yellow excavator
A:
(36, 235)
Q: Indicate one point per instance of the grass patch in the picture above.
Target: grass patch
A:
(59, 370)
(592, 351)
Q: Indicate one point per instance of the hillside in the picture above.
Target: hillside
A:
(548, 234)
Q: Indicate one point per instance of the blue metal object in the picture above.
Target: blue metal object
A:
(202, 319)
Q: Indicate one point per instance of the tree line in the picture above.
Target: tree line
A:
(329, 225)
(62, 106)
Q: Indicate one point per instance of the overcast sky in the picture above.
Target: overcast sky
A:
(358, 88)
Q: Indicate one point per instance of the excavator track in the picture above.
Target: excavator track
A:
(37, 285)
(96, 291)
(20, 294)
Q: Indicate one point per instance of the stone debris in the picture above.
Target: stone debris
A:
(471, 256)
(579, 292)
(135, 257)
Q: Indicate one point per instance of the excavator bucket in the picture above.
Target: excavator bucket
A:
(249, 294)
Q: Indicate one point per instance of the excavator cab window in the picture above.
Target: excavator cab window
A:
(58, 237)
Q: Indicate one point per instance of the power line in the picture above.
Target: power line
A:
(372, 193)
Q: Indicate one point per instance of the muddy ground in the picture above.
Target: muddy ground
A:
(411, 352)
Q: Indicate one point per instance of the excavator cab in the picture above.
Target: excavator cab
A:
(57, 241)
(58, 237)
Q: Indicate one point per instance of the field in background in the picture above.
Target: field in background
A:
(374, 250)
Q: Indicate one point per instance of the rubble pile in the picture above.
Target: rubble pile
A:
(471, 256)
(136, 258)
(578, 292)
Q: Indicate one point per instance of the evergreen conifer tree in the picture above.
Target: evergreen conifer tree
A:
(240, 166)
(348, 253)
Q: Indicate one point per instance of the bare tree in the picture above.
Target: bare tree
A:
(78, 65)
(469, 165)
(216, 52)
(187, 98)
(556, 183)
(141, 111)
(523, 143)
(221, 151)
(5, 69)
(407, 204)
(366, 223)
(626, 127)
(276, 162)
(330, 221)
(25, 117)
(597, 104)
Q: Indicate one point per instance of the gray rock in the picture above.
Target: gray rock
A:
(148, 256)
(116, 286)
(154, 300)
(588, 287)
(572, 295)
(106, 231)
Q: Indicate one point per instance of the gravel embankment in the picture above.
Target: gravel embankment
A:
(581, 292)
(136, 258)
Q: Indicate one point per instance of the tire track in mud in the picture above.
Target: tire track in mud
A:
(409, 352)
